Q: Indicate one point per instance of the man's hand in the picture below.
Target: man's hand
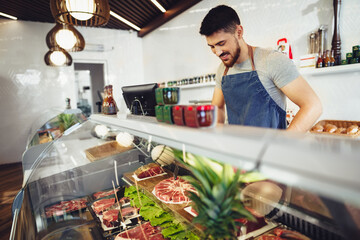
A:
(300, 92)
(218, 100)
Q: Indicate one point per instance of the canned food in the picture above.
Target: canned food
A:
(171, 95)
(354, 60)
(356, 51)
(159, 113)
(159, 96)
(349, 55)
(344, 62)
(168, 114)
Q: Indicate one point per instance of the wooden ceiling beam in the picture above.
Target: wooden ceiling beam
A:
(180, 7)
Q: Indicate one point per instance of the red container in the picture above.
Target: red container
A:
(190, 115)
(205, 115)
(178, 115)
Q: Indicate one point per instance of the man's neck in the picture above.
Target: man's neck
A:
(244, 52)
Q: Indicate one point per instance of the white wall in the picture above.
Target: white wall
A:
(29, 88)
(176, 50)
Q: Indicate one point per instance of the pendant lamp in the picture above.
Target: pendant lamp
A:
(66, 37)
(81, 12)
(58, 57)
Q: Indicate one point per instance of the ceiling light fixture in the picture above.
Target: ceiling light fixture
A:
(58, 57)
(81, 12)
(8, 16)
(66, 37)
(158, 6)
(125, 21)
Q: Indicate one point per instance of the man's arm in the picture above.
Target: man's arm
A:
(218, 100)
(300, 92)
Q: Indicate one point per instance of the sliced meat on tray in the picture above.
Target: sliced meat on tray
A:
(103, 204)
(175, 191)
(149, 170)
(65, 207)
(102, 194)
(137, 233)
(124, 200)
(111, 217)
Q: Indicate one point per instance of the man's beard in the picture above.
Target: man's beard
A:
(234, 58)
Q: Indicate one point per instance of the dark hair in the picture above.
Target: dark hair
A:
(219, 18)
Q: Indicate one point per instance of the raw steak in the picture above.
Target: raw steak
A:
(110, 217)
(151, 233)
(100, 205)
(102, 194)
(65, 207)
(148, 170)
(173, 191)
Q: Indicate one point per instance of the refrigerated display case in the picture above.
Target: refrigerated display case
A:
(312, 182)
(48, 126)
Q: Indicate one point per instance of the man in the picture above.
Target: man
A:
(254, 82)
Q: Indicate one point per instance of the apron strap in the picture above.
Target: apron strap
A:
(251, 54)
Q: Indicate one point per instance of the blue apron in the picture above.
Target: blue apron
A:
(248, 102)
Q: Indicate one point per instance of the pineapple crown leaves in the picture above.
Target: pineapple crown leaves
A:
(67, 119)
(217, 200)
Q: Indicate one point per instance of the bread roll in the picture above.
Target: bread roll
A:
(317, 128)
(330, 128)
(353, 129)
(341, 130)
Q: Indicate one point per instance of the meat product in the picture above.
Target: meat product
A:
(102, 194)
(129, 212)
(149, 170)
(151, 233)
(269, 237)
(289, 234)
(124, 200)
(100, 205)
(111, 217)
(173, 191)
(65, 207)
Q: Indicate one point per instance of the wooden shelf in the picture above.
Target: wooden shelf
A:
(197, 85)
(349, 68)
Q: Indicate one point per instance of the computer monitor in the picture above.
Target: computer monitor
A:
(140, 99)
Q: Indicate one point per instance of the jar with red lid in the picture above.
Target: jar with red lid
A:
(178, 114)
(205, 115)
(190, 115)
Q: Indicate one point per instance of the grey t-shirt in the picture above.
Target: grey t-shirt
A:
(275, 70)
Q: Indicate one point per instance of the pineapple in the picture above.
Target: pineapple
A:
(218, 199)
(66, 121)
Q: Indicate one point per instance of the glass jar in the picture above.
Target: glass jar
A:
(178, 115)
(159, 112)
(171, 95)
(168, 114)
(205, 115)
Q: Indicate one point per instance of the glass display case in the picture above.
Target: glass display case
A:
(308, 186)
(51, 124)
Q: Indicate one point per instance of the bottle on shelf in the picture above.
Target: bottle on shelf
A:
(332, 59)
(67, 101)
(319, 63)
(105, 105)
(326, 58)
(112, 109)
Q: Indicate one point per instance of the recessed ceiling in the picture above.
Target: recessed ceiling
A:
(142, 13)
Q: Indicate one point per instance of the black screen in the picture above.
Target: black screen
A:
(140, 99)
